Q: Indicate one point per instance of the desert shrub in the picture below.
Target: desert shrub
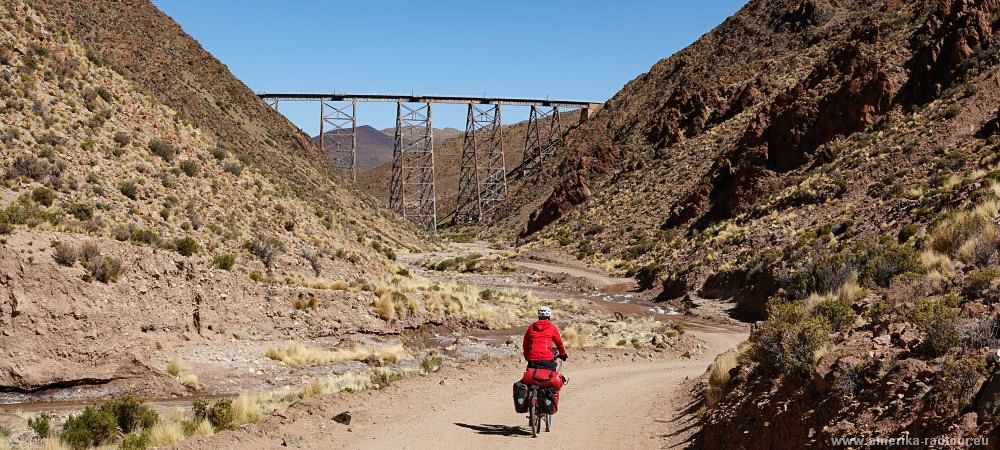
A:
(189, 167)
(135, 441)
(89, 251)
(187, 246)
(122, 139)
(129, 189)
(382, 378)
(788, 342)
(131, 413)
(938, 319)
(431, 363)
(232, 167)
(143, 236)
(104, 94)
(93, 427)
(104, 269)
(81, 211)
(219, 414)
(949, 235)
(878, 311)
(956, 383)
(41, 425)
(32, 167)
(838, 314)
(980, 332)
(219, 153)
(907, 232)
(891, 261)
(162, 149)
(267, 249)
(978, 281)
(224, 261)
(314, 261)
(65, 254)
(43, 196)
(256, 276)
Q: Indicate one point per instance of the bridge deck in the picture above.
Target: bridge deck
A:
(428, 99)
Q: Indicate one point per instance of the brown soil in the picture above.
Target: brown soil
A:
(615, 399)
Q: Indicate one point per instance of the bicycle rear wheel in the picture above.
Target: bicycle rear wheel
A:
(532, 419)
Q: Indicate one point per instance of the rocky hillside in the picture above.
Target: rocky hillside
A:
(139, 200)
(830, 166)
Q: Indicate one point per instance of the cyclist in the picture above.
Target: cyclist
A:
(539, 340)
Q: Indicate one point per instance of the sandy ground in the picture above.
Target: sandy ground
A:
(615, 399)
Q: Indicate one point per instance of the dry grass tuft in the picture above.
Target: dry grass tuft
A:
(176, 367)
(296, 354)
(719, 376)
(166, 433)
(248, 407)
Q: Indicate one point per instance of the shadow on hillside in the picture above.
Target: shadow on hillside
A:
(495, 430)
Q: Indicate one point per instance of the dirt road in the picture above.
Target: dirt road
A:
(615, 399)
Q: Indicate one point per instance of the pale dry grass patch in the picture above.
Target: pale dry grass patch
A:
(296, 354)
(851, 291)
(52, 443)
(182, 373)
(719, 376)
(165, 433)
(176, 367)
(933, 261)
(203, 428)
(190, 380)
(249, 407)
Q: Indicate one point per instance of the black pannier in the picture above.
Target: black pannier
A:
(520, 397)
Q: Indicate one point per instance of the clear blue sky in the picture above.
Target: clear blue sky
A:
(577, 50)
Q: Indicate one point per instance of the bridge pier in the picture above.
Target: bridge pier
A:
(482, 183)
(338, 135)
(272, 102)
(543, 138)
(411, 190)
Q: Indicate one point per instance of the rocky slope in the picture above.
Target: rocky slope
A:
(157, 196)
(830, 166)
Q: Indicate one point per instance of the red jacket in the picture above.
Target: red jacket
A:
(538, 341)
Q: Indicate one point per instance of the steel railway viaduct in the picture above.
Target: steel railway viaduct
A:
(483, 177)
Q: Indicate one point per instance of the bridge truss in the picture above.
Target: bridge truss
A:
(482, 183)
(483, 177)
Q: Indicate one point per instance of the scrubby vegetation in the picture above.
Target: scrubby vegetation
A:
(296, 354)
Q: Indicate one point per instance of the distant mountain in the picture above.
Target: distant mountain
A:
(440, 134)
(375, 147)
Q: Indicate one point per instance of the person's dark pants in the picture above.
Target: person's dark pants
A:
(544, 364)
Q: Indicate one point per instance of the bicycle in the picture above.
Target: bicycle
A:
(535, 414)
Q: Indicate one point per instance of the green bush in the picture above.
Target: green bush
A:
(234, 168)
(129, 189)
(878, 311)
(41, 425)
(431, 363)
(256, 276)
(220, 414)
(838, 314)
(93, 427)
(135, 441)
(956, 382)
(131, 413)
(162, 149)
(891, 261)
(224, 262)
(907, 232)
(81, 211)
(189, 167)
(143, 236)
(788, 341)
(382, 378)
(43, 196)
(219, 153)
(978, 281)
(938, 319)
(187, 246)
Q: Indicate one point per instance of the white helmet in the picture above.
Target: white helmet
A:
(544, 312)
